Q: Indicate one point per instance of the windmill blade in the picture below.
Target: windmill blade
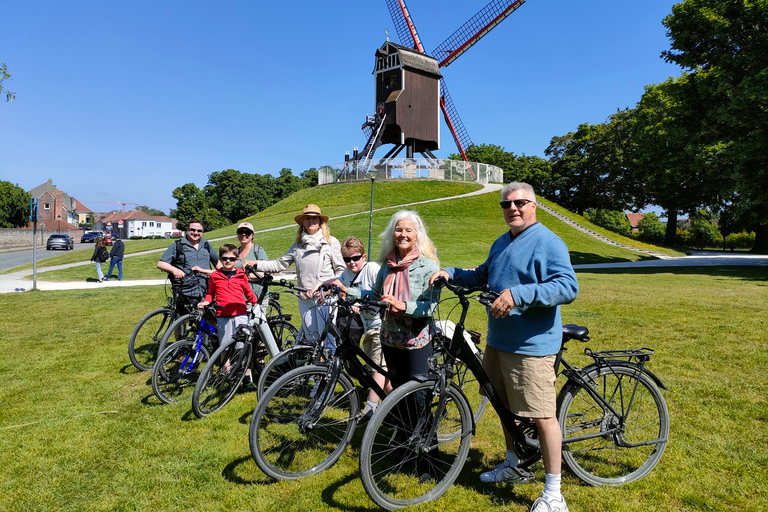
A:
(473, 30)
(406, 30)
(452, 119)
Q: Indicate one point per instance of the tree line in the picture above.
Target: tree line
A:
(697, 141)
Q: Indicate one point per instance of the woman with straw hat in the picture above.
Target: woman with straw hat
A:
(317, 257)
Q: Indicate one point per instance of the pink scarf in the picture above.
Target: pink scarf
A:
(398, 283)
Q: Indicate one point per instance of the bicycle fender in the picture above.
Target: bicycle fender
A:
(627, 364)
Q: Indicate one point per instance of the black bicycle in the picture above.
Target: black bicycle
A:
(612, 414)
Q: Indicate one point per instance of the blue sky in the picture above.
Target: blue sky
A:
(125, 101)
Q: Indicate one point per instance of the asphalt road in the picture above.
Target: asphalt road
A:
(14, 258)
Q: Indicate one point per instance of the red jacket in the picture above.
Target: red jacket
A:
(230, 292)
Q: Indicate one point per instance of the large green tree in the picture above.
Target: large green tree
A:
(14, 205)
(191, 203)
(529, 169)
(724, 45)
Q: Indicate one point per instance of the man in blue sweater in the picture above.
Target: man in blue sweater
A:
(531, 269)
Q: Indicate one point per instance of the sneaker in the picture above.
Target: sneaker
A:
(365, 415)
(549, 504)
(504, 473)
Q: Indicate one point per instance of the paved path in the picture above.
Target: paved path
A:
(15, 282)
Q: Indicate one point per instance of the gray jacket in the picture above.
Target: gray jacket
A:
(312, 266)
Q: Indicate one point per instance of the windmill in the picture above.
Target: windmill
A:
(377, 126)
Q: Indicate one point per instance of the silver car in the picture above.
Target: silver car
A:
(58, 241)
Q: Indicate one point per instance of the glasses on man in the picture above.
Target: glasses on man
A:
(519, 203)
(193, 230)
(347, 259)
(228, 258)
(244, 233)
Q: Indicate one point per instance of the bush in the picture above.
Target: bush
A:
(611, 220)
(741, 240)
(651, 229)
(704, 230)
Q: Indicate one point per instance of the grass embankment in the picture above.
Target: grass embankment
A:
(82, 431)
(460, 227)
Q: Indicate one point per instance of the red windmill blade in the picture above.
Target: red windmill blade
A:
(449, 50)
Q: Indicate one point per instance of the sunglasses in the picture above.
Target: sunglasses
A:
(228, 258)
(347, 259)
(244, 233)
(193, 230)
(519, 203)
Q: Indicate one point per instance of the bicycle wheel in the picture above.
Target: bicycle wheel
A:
(146, 336)
(396, 467)
(221, 377)
(467, 382)
(284, 332)
(184, 327)
(617, 449)
(283, 445)
(177, 369)
(285, 361)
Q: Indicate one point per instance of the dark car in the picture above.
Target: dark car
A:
(90, 236)
(65, 242)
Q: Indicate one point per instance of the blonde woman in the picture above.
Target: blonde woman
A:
(317, 258)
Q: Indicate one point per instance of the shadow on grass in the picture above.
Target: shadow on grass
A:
(588, 258)
(330, 491)
(232, 473)
(746, 273)
(469, 478)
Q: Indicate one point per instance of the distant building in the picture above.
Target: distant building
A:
(634, 220)
(134, 223)
(57, 210)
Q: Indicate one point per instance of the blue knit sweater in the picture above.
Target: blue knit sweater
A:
(536, 267)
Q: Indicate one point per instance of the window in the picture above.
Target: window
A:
(151, 224)
(47, 206)
(144, 224)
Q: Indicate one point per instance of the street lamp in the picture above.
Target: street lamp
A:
(370, 221)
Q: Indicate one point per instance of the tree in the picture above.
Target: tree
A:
(611, 220)
(5, 75)
(191, 203)
(149, 211)
(14, 206)
(239, 195)
(651, 229)
(529, 169)
(724, 44)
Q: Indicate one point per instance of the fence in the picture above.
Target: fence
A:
(409, 169)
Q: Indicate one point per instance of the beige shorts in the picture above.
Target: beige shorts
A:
(372, 348)
(526, 383)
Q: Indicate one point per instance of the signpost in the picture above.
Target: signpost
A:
(33, 205)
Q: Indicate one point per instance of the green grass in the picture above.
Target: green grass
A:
(462, 229)
(81, 430)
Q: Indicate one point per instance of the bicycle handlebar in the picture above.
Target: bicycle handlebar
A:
(268, 280)
(486, 297)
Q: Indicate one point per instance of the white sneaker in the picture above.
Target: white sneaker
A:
(548, 504)
(504, 473)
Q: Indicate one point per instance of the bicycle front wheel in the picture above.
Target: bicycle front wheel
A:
(603, 448)
(397, 466)
(184, 327)
(282, 363)
(221, 377)
(288, 440)
(284, 332)
(145, 338)
(177, 369)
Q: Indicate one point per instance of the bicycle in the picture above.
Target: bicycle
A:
(612, 414)
(305, 420)
(178, 367)
(252, 343)
(145, 339)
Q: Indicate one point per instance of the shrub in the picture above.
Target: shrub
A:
(741, 240)
(611, 220)
(651, 229)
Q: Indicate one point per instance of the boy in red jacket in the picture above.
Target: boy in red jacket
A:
(229, 286)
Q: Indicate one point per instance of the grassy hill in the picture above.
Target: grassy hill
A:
(462, 228)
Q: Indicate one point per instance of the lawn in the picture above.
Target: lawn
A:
(83, 432)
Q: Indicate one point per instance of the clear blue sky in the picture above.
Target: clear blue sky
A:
(125, 101)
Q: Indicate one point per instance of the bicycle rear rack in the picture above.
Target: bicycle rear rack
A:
(640, 355)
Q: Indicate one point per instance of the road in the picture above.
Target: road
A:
(15, 258)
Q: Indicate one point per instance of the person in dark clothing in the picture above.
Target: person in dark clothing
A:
(116, 258)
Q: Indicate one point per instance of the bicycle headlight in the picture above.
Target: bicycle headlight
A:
(432, 363)
(327, 354)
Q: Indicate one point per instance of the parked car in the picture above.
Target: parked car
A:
(173, 234)
(58, 241)
(90, 236)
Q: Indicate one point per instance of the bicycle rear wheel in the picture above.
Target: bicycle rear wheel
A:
(177, 369)
(184, 327)
(287, 444)
(145, 338)
(396, 467)
(221, 377)
(617, 449)
(283, 331)
(285, 361)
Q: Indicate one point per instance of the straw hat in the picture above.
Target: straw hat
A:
(310, 210)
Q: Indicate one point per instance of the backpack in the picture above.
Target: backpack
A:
(102, 255)
(180, 259)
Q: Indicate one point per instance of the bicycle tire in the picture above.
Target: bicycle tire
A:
(177, 369)
(392, 460)
(284, 332)
(467, 382)
(282, 363)
(145, 338)
(280, 446)
(180, 329)
(600, 460)
(221, 377)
